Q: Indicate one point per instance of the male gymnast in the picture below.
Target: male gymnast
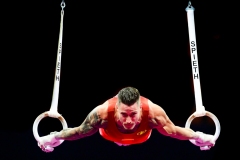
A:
(126, 119)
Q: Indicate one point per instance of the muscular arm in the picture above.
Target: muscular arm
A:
(160, 121)
(89, 126)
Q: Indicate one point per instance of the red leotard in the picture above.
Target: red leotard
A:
(111, 132)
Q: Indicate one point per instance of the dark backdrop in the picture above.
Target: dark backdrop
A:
(107, 46)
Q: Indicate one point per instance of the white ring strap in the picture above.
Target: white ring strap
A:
(53, 109)
(200, 110)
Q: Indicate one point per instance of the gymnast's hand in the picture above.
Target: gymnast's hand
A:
(205, 141)
(47, 143)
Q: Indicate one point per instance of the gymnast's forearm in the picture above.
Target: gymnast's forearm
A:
(184, 133)
(75, 133)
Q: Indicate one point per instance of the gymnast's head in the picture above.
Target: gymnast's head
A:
(128, 108)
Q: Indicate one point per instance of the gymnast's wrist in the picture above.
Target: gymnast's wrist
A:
(196, 136)
(57, 136)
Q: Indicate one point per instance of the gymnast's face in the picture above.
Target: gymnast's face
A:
(128, 116)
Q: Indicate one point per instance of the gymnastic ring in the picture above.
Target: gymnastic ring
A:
(47, 114)
(213, 117)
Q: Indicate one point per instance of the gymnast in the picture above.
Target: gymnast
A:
(126, 119)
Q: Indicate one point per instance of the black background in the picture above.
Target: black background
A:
(108, 46)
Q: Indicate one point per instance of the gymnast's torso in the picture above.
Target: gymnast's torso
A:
(116, 133)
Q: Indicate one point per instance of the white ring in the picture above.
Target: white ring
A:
(213, 117)
(39, 118)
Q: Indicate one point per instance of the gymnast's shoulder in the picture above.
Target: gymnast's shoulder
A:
(155, 110)
(102, 110)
